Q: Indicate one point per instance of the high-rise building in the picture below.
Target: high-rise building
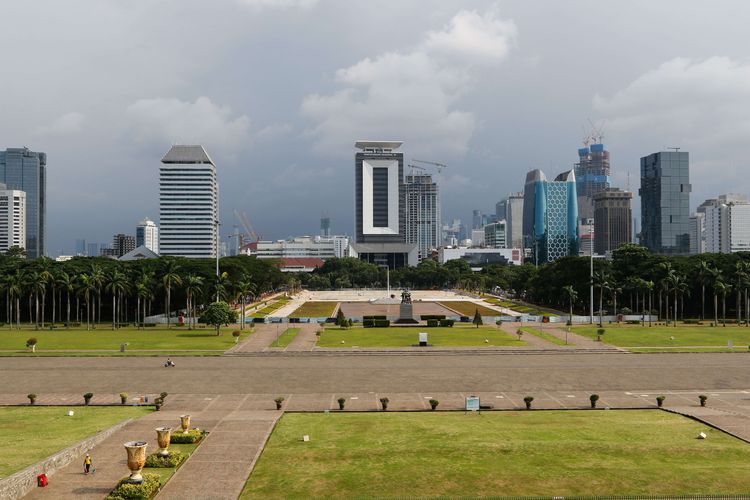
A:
(92, 249)
(188, 203)
(380, 212)
(495, 235)
(554, 214)
(423, 214)
(613, 219)
(501, 209)
(727, 224)
(592, 177)
(325, 226)
(514, 220)
(26, 170)
(122, 244)
(665, 202)
(12, 218)
(80, 247)
(533, 178)
(697, 233)
(147, 234)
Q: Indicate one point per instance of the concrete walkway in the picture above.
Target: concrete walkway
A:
(261, 338)
(306, 338)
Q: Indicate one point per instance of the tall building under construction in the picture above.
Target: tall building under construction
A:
(423, 214)
(592, 177)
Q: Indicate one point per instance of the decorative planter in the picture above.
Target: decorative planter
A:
(136, 460)
(185, 423)
(163, 435)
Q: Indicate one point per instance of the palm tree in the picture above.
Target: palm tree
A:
(649, 286)
(615, 290)
(704, 274)
(143, 293)
(67, 283)
(717, 282)
(246, 288)
(572, 296)
(666, 270)
(97, 277)
(117, 285)
(222, 287)
(193, 286)
(674, 282)
(37, 284)
(740, 276)
(15, 289)
(723, 289)
(600, 281)
(87, 289)
(169, 277)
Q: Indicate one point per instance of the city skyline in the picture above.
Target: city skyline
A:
(490, 89)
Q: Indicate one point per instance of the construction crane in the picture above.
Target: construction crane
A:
(597, 132)
(250, 235)
(412, 167)
(440, 166)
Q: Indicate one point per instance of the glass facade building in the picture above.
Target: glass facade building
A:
(665, 202)
(553, 213)
(592, 177)
(423, 214)
(26, 170)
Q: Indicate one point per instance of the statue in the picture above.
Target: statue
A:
(406, 297)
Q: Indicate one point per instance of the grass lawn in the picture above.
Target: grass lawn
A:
(545, 336)
(451, 454)
(269, 308)
(456, 336)
(30, 434)
(161, 339)
(660, 336)
(466, 308)
(285, 338)
(314, 309)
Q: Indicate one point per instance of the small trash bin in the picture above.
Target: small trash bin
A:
(41, 480)
(122, 347)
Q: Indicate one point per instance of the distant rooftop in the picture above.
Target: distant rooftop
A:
(187, 154)
(378, 144)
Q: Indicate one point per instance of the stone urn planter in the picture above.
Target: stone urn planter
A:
(185, 423)
(163, 435)
(136, 460)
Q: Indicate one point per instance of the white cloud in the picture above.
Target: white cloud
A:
(69, 123)
(279, 4)
(411, 95)
(170, 120)
(701, 106)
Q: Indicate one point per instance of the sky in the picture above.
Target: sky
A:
(278, 91)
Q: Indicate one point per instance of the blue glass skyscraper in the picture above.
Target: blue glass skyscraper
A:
(551, 207)
(26, 170)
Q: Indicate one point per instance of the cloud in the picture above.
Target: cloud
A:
(67, 124)
(702, 106)
(279, 4)
(170, 120)
(411, 95)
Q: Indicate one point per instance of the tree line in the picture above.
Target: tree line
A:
(95, 290)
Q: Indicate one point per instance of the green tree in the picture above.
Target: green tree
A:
(477, 318)
(219, 313)
(601, 282)
(245, 288)
(341, 319)
(169, 276)
(193, 287)
(572, 296)
(704, 274)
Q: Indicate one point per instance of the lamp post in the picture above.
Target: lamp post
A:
(216, 222)
(591, 270)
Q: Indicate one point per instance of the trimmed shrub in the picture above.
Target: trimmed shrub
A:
(599, 333)
(446, 322)
(660, 401)
(528, 400)
(382, 323)
(192, 436)
(434, 404)
(432, 323)
(342, 402)
(702, 398)
(279, 401)
(427, 317)
(163, 396)
(123, 397)
(368, 323)
(32, 398)
(384, 403)
(144, 491)
(87, 397)
(594, 398)
(174, 459)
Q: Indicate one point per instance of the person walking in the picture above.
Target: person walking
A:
(87, 464)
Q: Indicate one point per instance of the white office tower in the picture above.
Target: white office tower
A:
(188, 203)
(12, 218)
(147, 235)
(728, 227)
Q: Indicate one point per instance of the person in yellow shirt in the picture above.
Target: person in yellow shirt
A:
(87, 464)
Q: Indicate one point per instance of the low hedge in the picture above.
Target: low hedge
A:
(446, 322)
(432, 323)
(368, 323)
(144, 491)
(373, 317)
(192, 436)
(174, 459)
(382, 323)
(427, 317)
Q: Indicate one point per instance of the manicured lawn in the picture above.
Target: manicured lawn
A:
(466, 308)
(30, 434)
(315, 310)
(286, 338)
(269, 308)
(162, 339)
(544, 336)
(456, 336)
(560, 453)
(661, 336)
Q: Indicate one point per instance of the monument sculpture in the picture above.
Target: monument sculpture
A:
(406, 311)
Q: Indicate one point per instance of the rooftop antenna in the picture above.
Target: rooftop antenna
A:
(676, 150)
(628, 180)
